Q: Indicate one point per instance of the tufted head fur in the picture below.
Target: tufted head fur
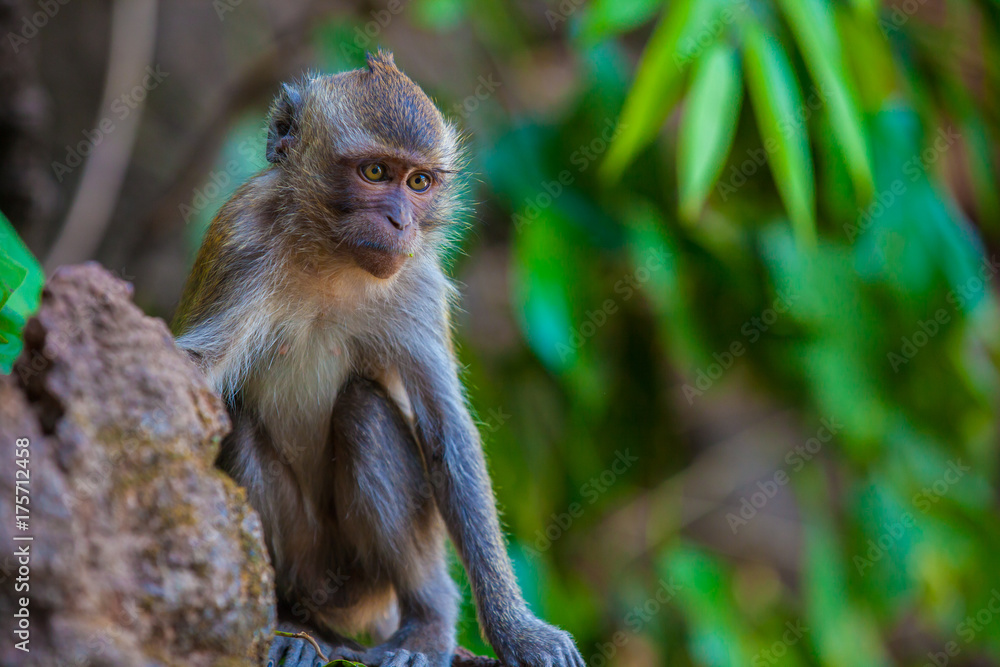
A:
(323, 124)
(377, 106)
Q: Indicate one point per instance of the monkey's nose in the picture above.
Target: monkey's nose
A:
(394, 219)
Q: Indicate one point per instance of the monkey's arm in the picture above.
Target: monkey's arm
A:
(462, 490)
(215, 316)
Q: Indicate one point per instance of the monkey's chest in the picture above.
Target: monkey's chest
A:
(295, 392)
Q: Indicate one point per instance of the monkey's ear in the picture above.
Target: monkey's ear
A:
(283, 130)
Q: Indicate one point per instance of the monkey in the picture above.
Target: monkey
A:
(319, 308)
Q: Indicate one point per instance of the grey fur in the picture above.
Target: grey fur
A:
(351, 486)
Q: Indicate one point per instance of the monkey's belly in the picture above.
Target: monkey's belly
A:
(376, 528)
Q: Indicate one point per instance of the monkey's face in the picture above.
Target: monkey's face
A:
(383, 202)
(368, 161)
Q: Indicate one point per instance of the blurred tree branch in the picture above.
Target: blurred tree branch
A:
(133, 37)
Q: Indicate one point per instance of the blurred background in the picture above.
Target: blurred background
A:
(729, 293)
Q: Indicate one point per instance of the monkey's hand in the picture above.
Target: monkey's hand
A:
(296, 652)
(530, 642)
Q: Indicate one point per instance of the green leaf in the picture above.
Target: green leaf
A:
(708, 126)
(778, 106)
(343, 663)
(11, 277)
(21, 280)
(717, 635)
(656, 89)
(869, 59)
(540, 291)
(813, 24)
(604, 18)
(833, 613)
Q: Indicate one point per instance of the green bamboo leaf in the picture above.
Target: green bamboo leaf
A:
(540, 290)
(12, 276)
(21, 280)
(718, 636)
(833, 613)
(708, 126)
(868, 8)
(604, 18)
(777, 104)
(814, 27)
(656, 88)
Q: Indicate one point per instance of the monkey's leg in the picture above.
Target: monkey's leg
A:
(464, 496)
(248, 456)
(393, 519)
(426, 634)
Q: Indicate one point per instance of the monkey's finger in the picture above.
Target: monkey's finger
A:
(398, 658)
(292, 653)
(310, 658)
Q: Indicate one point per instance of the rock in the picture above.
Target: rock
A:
(142, 552)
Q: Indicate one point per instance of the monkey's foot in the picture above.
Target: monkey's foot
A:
(296, 652)
(385, 656)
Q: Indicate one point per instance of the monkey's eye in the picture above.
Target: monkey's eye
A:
(375, 171)
(419, 182)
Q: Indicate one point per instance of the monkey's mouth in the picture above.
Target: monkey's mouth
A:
(380, 260)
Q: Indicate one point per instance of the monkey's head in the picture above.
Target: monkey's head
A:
(368, 164)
